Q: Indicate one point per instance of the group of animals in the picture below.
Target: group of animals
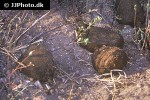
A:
(105, 44)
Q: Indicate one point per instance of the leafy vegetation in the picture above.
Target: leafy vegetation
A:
(83, 30)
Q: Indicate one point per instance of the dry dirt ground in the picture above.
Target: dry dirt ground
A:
(86, 83)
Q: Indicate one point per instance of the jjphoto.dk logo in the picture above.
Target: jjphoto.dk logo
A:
(6, 5)
(17, 5)
(25, 5)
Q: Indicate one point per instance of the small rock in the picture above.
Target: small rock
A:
(102, 36)
(38, 84)
(126, 12)
(41, 61)
(108, 58)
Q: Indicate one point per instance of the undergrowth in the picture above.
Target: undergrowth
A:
(143, 33)
(83, 30)
(15, 30)
(11, 33)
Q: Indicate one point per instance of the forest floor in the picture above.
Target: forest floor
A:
(86, 83)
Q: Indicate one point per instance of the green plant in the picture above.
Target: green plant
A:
(83, 29)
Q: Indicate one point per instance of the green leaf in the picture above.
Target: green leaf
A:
(86, 41)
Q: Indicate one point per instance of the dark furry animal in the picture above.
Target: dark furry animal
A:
(108, 58)
(42, 60)
(101, 36)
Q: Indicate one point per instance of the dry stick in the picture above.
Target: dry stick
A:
(147, 14)
(10, 25)
(135, 10)
(8, 33)
(114, 89)
(14, 33)
(25, 46)
(32, 41)
(21, 20)
(18, 68)
(8, 53)
(30, 27)
(147, 25)
(23, 17)
(22, 66)
(70, 93)
(114, 81)
(144, 43)
(135, 14)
